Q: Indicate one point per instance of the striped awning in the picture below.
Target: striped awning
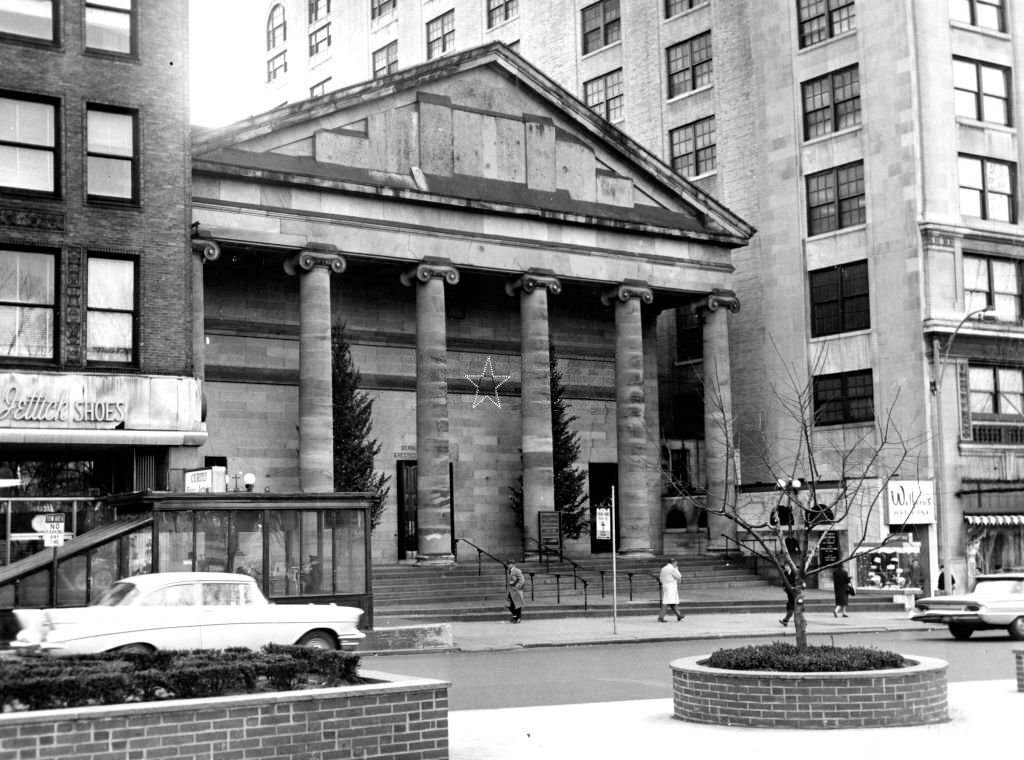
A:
(994, 519)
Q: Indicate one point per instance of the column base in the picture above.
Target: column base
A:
(435, 559)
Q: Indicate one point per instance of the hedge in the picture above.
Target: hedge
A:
(34, 681)
(785, 657)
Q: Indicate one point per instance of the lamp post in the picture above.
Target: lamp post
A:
(940, 356)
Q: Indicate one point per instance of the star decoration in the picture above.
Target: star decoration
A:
(495, 382)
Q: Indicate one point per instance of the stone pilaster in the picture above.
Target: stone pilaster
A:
(631, 420)
(537, 442)
(433, 496)
(651, 413)
(719, 437)
(314, 265)
(204, 250)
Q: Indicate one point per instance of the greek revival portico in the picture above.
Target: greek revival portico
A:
(479, 214)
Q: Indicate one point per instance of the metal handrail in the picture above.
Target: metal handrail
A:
(479, 554)
(544, 552)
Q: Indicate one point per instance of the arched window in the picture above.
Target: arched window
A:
(276, 30)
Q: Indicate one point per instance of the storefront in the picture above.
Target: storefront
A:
(994, 526)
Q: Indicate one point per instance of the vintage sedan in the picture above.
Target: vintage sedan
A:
(997, 601)
(186, 611)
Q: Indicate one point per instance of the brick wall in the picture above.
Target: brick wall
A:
(401, 719)
(910, 696)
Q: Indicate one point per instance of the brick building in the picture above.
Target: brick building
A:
(874, 147)
(99, 389)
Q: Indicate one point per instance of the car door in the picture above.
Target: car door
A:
(234, 615)
(169, 617)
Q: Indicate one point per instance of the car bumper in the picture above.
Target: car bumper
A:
(947, 618)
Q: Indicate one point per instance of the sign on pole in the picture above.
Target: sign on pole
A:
(603, 523)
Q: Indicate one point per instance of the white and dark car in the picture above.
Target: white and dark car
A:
(997, 601)
(186, 611)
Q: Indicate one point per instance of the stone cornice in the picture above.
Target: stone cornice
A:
(316, 255)
(626, 290)
(718, 299)
(533, 279)
(429, 268)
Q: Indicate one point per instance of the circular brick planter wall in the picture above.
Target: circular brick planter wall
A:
(910, 696)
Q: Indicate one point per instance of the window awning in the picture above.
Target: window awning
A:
(994, 519)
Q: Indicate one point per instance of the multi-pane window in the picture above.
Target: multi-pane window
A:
(839, 299)
(27, 309)
(441, 34)
(110, 318)
(823, 19)
(380, 8)
(984, 13)
(601, 25)
(108, 25)
(835, 198)
(277, 29)
(276, 65)
(501, 10)
(982, 90)
(28, 144)
(319, 40)
(844, 397)
(689, 64)
(689, 335)
(993, 283)
(385, 60)
(831, 102)
(987, 188)
(111, 165)
(675, 7)
(997, 390)
(319, 88)
(692, 147)
(28, 18)
(319, 9)
(604, 95)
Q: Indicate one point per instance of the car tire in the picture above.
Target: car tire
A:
(960, 632)
(134, 649)
(1016, 629)
(319, 640)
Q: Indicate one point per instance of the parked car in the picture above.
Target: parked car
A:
(186, 611)
(997, 601)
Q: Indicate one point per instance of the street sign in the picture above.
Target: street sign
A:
(603, 523)
(53, 539)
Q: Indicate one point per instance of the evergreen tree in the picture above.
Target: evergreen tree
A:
(569, 480)
(354, 449)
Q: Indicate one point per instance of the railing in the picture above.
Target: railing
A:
(479, 555)
(749, 545)
(577, 568)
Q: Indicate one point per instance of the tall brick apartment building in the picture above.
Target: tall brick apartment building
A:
(98, 369)
(875, 148)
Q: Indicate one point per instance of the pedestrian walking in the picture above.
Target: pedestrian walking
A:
(516, 582)
(669, 578)
(942, 581)
(841, 590)
(791, 592)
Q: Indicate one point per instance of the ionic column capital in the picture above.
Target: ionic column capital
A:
(205, 248)
(533, 279)
(718, 299)
(626, 290)
(316, 255)
(429, 268)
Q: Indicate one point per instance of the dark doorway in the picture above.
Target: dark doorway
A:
(407, 504)
(603, 475)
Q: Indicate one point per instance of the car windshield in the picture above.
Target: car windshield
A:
(120, 593)
(996, 587)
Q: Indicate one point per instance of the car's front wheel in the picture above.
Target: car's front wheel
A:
(1016, 629)
(319, 640)
(960, 632)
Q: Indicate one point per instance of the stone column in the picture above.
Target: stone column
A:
(433, 496)
(538, 444)
(314, 266)
(632, 494)
(720, 454)
(204, 250)
(651, 413)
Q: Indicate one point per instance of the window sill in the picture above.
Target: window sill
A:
(112, 55)
(688, 11)
(609, 46)
(698, 177)
(995, 224)
(978, 124)
(688, 93)
(830, 426)
(501, 24)
(963, 26)
(36, 42)
(33, 195)
(846, 334)
(130, 205)
(832, 135)
(836, 233)
(818, 45)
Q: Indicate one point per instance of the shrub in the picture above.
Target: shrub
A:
(42, 681)
(780, 656)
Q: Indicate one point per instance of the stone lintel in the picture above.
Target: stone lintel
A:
(316, 255)
(533, 279)
(431, 267)
(628, 289)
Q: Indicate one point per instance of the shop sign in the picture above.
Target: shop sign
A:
(911, 502)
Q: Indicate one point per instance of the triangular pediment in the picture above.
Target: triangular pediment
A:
(482, 126)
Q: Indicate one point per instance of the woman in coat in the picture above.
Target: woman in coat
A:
(516, 584)
(840, 587)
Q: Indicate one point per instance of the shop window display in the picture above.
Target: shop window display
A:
(896, 565)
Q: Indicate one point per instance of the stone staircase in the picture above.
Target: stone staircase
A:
(467, 591)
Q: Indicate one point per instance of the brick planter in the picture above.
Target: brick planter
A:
(910, 696)
(1018, 655)
(398, 718)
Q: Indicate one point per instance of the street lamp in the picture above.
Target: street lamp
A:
(940, 356)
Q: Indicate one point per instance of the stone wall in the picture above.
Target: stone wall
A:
(910, 696)
(1018, 655)
(394, 719)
